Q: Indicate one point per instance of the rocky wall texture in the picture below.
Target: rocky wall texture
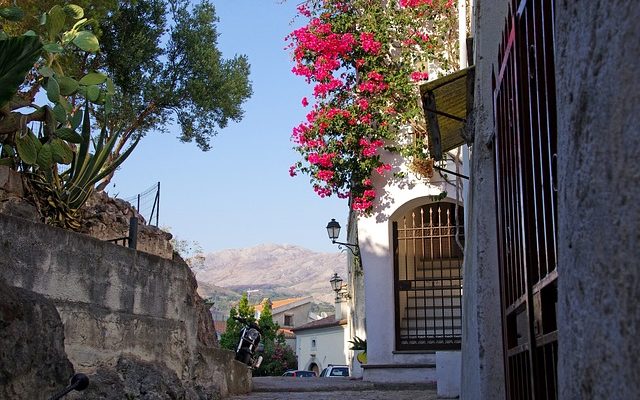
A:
(598, 91)
(33, 364)
(103, 217)
(115, 302)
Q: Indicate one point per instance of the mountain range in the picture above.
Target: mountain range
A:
(268, 270)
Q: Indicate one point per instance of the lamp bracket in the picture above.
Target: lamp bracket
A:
(353, 248)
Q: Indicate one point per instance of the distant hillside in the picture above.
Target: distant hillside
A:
(272, 270)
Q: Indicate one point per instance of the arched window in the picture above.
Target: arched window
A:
(428, 280)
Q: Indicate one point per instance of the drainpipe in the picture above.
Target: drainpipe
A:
(462, 33)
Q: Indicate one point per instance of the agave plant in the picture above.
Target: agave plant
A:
(61, 194)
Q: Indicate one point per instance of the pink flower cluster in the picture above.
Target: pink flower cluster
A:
(369, 44)
(370, 149)
(374, 83)
(415, 3)
(364, 202)
(323, 160)
(418, 76)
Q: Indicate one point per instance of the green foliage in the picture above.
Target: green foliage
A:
(58, 195)
(358, 344)
(17, 56)
(183, 79)
(229, 339)
(266, 323)
(278, 358)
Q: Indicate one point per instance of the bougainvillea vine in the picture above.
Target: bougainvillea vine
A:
(364, 59)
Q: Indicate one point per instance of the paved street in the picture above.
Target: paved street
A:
(286, 388)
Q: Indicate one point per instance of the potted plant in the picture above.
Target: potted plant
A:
(360, 347)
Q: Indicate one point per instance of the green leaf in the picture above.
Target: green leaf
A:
(8, 150)
(30, 33)
(59, 113)
(111, 88)
(68, 86)
(17, 56)
(54, 48)
(87, 41)
(11, 13)
(65, 104)
(55, 22)
(46, 72)
(93, 93)
(43, 19)
(6, 161)
(93, 78)
(69, 134)
(26, 146)
(74, 11)
(62, 153)
(53, 90)
(45, 156)
(76, 120)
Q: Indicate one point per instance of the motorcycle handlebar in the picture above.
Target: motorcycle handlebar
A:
(250, 324)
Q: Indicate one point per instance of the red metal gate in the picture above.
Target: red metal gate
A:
(526, 146)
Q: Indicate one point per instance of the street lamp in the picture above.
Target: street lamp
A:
(338, 287)
(336, 283)
(333, 230)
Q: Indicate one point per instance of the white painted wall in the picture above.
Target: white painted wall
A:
(374, 234)
(331, 347)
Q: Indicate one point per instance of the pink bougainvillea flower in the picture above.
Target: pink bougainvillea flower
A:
(305, 102)
(418, 76)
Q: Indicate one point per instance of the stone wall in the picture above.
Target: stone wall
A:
(102, 217)
(482, 354)
(33, 363)
(598, 92)
(115, 302)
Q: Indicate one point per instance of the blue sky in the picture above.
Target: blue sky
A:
(240, 194)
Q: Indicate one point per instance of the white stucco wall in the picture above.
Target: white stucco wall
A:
(331, 347)
(375, 238)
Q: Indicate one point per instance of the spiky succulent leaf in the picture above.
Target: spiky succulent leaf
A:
(17, 56)
(69, 135)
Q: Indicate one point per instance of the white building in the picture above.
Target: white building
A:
(322, 342)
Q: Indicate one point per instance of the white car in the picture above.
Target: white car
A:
(335, 371)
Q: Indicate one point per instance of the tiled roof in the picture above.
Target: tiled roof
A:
(288, 333)
(321, 323)
(281, 303)
(221, 326)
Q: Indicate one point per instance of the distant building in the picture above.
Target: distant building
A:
(289, 313)
(320, 343)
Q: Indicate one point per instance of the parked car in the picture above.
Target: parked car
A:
(300, 374)
(335, 371)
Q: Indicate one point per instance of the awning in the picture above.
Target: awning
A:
(447, 103)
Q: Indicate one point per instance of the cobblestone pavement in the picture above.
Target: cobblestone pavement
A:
(279, 388)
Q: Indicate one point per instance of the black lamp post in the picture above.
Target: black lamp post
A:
(336, 283)
(333, 230)
(338, 287)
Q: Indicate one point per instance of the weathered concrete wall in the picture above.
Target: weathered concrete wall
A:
(598, 46)
(33, 364)
(114, 301)
(482, 355)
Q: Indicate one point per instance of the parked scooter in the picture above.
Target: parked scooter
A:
(249, 344)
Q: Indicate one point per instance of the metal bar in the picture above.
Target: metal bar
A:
(158, 198)
(450, 172)
(444, 114)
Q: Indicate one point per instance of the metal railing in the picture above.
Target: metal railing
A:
(148, 203)
(131, 240)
